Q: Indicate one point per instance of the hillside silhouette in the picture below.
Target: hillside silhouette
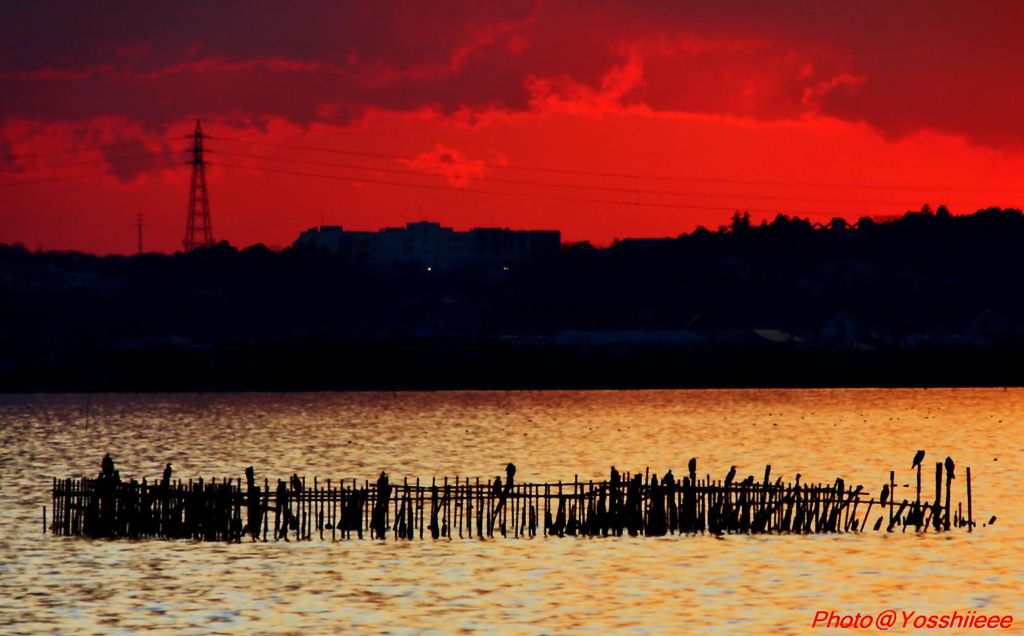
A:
(924, 299)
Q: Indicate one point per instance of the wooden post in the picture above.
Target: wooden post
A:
(547, 508)
(331, 520)
(466, 508)
(367, 508)
(446, 525)
(970, 511)
(347, 509)
(560, 521)
(479, 510)
(389, 523)
(419, 505)
(321, 507)
(892, 494)
(458, 505)
(266, 508)
(917, 506)
(949, 488)
(490, 508)
(54, 503)
(68, 495)
(515, 511)
(407, 519)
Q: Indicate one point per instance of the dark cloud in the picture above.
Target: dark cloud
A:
(8, 162)
(900, 66)
(153, 36)
(157, 64)
(129, 159)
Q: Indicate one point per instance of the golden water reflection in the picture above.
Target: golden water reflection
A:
(737, 584)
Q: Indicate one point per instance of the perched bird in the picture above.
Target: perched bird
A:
(107, 465)
(884, 497)
(693, 465)
(918, 458)
(167, 474)
(731, 475)
(949, 468)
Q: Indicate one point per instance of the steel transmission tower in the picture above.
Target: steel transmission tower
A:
(199, 232)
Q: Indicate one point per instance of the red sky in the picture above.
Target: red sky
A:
(642, 118)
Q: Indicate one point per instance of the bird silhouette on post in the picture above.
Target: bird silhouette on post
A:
(378, 516)
(614, 496)
(726, 504)
(503, 493)
(918, 458)
(918, 513)
(107, 466)
(882, 500)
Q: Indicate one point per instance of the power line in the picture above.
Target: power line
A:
(575, 186)
(620, 189)
(529, 195)
(423, 186)
(620, 175)
(544, 169)
(81, 149)
(96, 162)
(108, 173)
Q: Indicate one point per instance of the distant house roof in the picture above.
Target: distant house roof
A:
(777, 336)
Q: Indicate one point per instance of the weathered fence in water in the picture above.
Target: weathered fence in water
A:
(638, 504)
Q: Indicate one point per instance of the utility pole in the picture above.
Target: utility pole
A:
(138, 228)
(199, 231)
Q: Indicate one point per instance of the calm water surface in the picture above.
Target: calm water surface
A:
(737, 584)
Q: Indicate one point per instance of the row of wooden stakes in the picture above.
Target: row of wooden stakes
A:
(638, 504)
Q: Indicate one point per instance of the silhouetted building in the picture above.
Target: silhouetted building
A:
(432, 246)
(332, 238)
(43, 276)
(844, 330)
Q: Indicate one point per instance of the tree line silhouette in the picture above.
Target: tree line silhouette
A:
(926, 298)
